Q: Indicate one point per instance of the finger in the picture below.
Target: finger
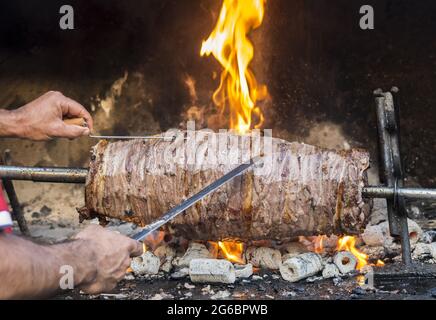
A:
(93, 288)
(126, 264)
(72, 131)
(72, 108)
(136, 248)
(97, 288)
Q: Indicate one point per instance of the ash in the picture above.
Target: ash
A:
(265, 285)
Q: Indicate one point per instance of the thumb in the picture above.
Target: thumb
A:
(73, 131)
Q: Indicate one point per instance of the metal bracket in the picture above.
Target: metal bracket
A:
(392, 173)
(17, 211)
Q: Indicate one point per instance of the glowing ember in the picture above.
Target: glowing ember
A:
(348, 243)
(319, 244)
(154, 240)
(238, 91)
(380, 263)
(230, 250)
(323, 244)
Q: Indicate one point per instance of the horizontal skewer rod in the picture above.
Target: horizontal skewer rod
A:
(407, 193)
(60, 175)
(78, 175)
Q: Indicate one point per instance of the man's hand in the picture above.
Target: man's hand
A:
(111, 257)
(98, 257)
(42, 119)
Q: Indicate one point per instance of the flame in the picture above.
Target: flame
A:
(230, 250)
(228, 43)
(319, 244)
(380, 263)
(153, 240)
(348, 243)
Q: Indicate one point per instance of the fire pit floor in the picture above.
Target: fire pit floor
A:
(271, 286)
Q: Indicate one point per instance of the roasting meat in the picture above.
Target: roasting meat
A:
(297, 189)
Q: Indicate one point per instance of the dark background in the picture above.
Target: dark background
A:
(318, 64)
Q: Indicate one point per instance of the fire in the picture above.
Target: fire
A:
(348, 243)
(380, 263)
(153, 240)
(238, 91)
(319, 244)
(230, 250)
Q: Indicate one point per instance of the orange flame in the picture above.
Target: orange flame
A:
(230, 250)
(319, 244)
(348, 243)
(380, 263)
(228, 43)
(153, 240)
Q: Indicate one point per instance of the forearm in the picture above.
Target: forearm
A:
(31, 270)
(9, 123)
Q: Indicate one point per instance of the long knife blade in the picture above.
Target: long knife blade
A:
(174, 212)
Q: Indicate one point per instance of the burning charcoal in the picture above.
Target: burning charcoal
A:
(148, 263)
(207, 290)
(129, 277)
(162, 296)
(288, 294)
(433, 250)
(330, 271)
(166, 255)
(294, 249)
(375, 252)
(189, 286)
(115, 296)
(345, 261)
(243, 271)
(195, 251)
(376, 235)
(422, 251)
(359, 291)
(266, 258)
(327, 259)
(211, 271)
(179, 274)
(429, 236)
(221, 295)
(314, 279)
(379, 207)
(301, 267)
(415, 231)
(379, 235)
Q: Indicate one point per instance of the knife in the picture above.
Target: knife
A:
(174, 212)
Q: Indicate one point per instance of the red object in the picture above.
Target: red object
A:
(4, 208)
(3, 204)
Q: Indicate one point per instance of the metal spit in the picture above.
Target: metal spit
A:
(78, 175)
(391, 175)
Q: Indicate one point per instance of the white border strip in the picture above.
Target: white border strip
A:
(5, 219)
